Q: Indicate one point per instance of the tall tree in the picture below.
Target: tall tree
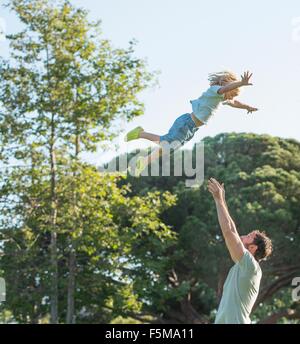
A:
(63, 88)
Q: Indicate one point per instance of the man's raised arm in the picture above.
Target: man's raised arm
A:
(230, 234)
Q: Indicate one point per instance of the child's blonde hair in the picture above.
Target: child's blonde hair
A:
(222, 78)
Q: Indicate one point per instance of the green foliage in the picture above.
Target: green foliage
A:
(62, 91)
(150, 251)
(61, 72)
(109, 236)
(262, 181)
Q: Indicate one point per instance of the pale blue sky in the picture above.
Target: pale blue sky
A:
(186, 40)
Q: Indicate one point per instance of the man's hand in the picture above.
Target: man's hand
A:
(216, 189)
(250, 109)
(245, 78)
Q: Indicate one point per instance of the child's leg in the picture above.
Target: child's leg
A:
(143, 162)
(151, 137)
(157, 152)
(139, 133)
(182, 130)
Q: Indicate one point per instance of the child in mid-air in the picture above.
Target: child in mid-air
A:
(224, 86)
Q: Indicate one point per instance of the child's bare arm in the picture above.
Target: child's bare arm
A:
(236, 84)
(239, 105)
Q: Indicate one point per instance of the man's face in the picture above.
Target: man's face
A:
(248, 239)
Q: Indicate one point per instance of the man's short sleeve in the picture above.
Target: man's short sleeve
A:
(248, 262)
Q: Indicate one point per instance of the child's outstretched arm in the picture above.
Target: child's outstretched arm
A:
(236, 84)
(239, 105)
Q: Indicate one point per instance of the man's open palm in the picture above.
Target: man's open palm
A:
(216, 189)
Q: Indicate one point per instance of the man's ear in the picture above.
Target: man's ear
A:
(252, 248)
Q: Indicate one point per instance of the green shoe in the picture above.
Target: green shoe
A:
(134, 134)
(140, 166)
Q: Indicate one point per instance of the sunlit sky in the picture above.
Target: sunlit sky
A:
(186, 40)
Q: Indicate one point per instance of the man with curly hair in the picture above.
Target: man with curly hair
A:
(241, 287)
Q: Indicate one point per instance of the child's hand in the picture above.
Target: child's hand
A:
(245, 79)
(250, 109)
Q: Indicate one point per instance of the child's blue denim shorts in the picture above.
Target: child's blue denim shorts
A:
(182, 130)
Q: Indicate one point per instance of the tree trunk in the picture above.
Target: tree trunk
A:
(53, 245)
(189, 312)
(72, 259)
(71, 288)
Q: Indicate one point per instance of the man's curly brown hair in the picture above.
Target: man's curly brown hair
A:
(264, 245)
